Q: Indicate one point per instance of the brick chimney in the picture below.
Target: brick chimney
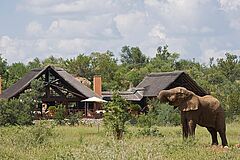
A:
(97, 85)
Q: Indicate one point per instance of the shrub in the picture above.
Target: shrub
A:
(74, 118)
(60, 114)
(116, 115)
(159, 114)
(19, 111)
(15, 112)
(52, 110)
(152, 131)
(40, 133)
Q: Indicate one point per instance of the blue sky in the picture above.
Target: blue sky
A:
(197, 29)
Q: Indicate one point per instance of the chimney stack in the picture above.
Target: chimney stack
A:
(97, 85)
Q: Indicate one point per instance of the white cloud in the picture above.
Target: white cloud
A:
(133, 23)
(214, 52)
(206, 29)
(13, 49)
(230, 5)
(42, 3)
(235, 24)
(101, 27)
(67, 27)
(34, 28)
(45, 7)
(158, 32)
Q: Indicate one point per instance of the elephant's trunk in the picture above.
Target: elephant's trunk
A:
(163, 96)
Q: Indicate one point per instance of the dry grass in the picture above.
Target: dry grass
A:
(87, 143)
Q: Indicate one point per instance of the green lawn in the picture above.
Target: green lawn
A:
(81, 142)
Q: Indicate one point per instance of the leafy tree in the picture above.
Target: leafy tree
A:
(57, 62)
(135, 76)
(104, 64)
(133, 57)
(164, 61)
(116, 115)
(20, 110)
(80, 66)
(3, 71)
(15, 72)
(3, 65)
(230, 67)
(35, 63)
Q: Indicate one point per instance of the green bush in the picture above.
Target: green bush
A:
(74, 118)
(146, 131)
(15, 112)
(159, 114)
(116, 116)
(41, 133)
(27, 136)
(52, 109)
(19, 111)
(59, 115)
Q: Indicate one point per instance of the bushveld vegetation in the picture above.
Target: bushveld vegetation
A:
(220, 77)
(156, 135)
(44, 141)
(19, 111)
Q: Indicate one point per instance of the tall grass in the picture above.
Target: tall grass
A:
(65, 142)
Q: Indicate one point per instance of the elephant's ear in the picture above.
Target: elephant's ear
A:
(191, 104)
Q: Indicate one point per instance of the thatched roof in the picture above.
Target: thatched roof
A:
(153, 83)
(24, 83)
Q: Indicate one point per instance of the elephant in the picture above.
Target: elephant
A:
(205, 111)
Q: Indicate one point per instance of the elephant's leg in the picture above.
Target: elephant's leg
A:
(184, 127)
(185, 130)
(191, 128)
(223, 137)
(213, 133)
(221, 128)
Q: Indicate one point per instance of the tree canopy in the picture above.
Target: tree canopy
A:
(221, 77)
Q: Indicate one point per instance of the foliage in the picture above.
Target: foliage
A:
(39, 133)
(159, 114)
(149, 131)
(60, 114)
(52, 109)
(116, 115)
(35, 63)
(25, 137)
(133, 57)
(220, 76)
(86, 143)
(16, 72)
(104, 64)
(164, 61)
(20, 111)
(3, 71)
(80, 66)
(73, 119)
(51, 60)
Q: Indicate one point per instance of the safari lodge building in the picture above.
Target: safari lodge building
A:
(60, 88)
(63, 88)
(153, 83)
